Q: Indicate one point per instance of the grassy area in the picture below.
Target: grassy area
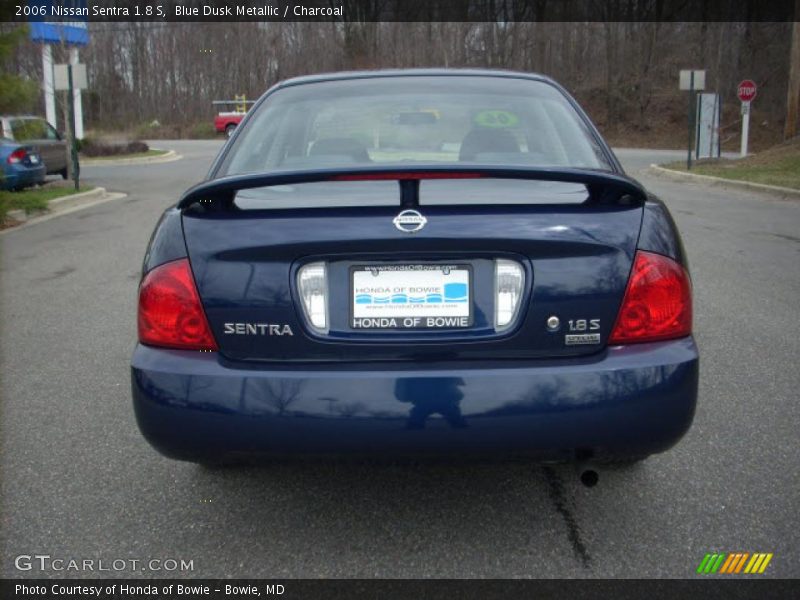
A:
(32, 199)
(150, 152)
(780, 165)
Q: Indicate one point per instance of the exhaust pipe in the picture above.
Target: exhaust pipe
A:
(589, 478)
(583, 457)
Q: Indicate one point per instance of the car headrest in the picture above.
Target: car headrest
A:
(483, 140)
(340, 147)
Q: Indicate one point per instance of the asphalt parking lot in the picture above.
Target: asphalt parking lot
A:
(79, 482)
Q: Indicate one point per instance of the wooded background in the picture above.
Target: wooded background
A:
(624, 73)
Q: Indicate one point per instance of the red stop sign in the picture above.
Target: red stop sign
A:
(746, 90)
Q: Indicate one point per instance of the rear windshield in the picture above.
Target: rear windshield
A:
(406, 120)
(31, 129)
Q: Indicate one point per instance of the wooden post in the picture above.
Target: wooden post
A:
(793, 95)
(74, 170)
(689, 122)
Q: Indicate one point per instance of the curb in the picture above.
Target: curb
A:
(746, 185)
(169, 156)
(65, 202)
(66, 205)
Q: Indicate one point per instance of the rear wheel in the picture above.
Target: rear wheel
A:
(229, 129)
(63, 173)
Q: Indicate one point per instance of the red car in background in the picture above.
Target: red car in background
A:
(226, 122)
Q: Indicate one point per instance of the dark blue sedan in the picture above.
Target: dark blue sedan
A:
(20, 166)
(427, 263)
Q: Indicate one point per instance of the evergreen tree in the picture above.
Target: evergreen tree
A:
(17, 93)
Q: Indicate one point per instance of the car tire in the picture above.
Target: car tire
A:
(64, 173)
(229, 129)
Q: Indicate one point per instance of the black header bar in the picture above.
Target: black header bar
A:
(392, 589)
(499, 11)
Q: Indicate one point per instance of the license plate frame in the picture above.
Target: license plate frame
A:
(424, 312)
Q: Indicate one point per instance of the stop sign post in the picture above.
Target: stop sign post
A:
(746, 92)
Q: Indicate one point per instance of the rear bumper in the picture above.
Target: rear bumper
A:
(22, 177)
(637, 399)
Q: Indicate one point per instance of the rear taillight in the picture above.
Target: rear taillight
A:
(170, 312)
(16, 156)
(657, 303)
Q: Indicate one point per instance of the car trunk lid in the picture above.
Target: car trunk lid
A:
(575, 255)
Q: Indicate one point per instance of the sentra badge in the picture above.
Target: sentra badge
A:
(257, 329)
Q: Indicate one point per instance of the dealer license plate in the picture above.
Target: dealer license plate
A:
(420, 296)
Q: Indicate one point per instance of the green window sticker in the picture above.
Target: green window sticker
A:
(496, 118)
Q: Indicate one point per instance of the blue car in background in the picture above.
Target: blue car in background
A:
(426, 263)
(20, 166)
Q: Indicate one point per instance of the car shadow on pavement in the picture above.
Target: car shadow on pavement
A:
(366, 513)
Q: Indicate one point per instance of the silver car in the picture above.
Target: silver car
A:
(38, 133)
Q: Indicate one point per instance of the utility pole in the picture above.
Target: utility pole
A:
(793, 94)
(692, 81)
(689, 121)
(70, 78)
(73, 149)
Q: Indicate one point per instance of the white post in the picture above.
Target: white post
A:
(76, 97)
(47, 81)
(745, 127)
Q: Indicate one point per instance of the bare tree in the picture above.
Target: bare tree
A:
(625, 73)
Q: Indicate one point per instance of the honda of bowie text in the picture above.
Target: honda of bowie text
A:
(415, 262)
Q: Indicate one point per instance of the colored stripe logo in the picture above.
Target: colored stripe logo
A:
(732, 563)
(453, 292)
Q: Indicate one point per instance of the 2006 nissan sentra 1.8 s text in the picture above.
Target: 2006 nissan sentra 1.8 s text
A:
(429, 263)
